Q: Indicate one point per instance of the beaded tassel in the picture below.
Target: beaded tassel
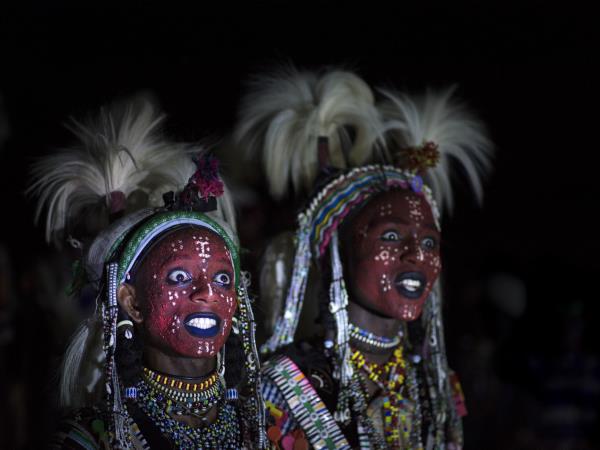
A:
(255, 406)
(113, 386)
(338, 301)
(285, 327)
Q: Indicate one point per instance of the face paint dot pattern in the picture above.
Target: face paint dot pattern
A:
(385, 282)
(166, 303)
(378, 260)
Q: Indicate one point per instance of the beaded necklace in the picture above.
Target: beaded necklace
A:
(389, 377)
(158, 379)
(372, 340)
(182, 398)
(223, 433)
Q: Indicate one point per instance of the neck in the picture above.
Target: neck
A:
(372, 322)
(178, 366)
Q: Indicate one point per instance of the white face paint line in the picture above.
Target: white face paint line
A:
(204, 251)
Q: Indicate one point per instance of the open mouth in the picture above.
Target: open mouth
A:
(410, 284)
(202, 325)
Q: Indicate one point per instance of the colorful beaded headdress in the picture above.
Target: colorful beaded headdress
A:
(120, 155)
(414, 143)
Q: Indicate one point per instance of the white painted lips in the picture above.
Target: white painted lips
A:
(203, 323)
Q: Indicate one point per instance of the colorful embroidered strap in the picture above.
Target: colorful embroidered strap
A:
(305, 404)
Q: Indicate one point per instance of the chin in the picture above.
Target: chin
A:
(409, 312)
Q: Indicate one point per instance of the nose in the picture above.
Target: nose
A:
(410, 251)
(202, 292)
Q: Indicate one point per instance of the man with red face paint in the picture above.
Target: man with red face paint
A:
(392, 258)
(376, 376)
(182, 297)
(171, 343)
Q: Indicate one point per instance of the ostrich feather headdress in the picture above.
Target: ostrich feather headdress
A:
(283, 117)
(424, 138)
(119, 153)
(428, 134)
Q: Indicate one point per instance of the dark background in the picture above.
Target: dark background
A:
(530, 369)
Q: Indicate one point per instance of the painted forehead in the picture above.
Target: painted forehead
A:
(189, 241)
(398, 206)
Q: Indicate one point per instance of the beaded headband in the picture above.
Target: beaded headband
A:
(334, 202)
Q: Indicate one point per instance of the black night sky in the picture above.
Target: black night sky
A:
(527, 68)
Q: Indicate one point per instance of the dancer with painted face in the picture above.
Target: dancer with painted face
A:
(168, 359)
(376, 376)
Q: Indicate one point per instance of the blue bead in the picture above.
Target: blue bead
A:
(231, 394)
(131, 392)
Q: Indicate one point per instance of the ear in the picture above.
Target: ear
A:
(127, 301)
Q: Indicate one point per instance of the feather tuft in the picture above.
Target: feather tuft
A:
(437, 119)
(119, 152)
(284, 115)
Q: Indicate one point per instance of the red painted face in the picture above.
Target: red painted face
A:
(394, 254)
(186, 289)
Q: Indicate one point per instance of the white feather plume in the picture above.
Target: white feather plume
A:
(436, 117)
(121, 150)
(285, 114)
(82, 365)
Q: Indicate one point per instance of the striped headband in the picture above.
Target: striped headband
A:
(338, 198)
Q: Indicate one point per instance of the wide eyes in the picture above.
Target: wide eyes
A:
(427, 243)
(222, 278)
(390, 235)
(178, 276)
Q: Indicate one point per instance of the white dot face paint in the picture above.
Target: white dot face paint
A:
(385, 282)
(180, 280)
(389, 267)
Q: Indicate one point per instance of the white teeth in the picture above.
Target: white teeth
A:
(410, 284)
(202, 322)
